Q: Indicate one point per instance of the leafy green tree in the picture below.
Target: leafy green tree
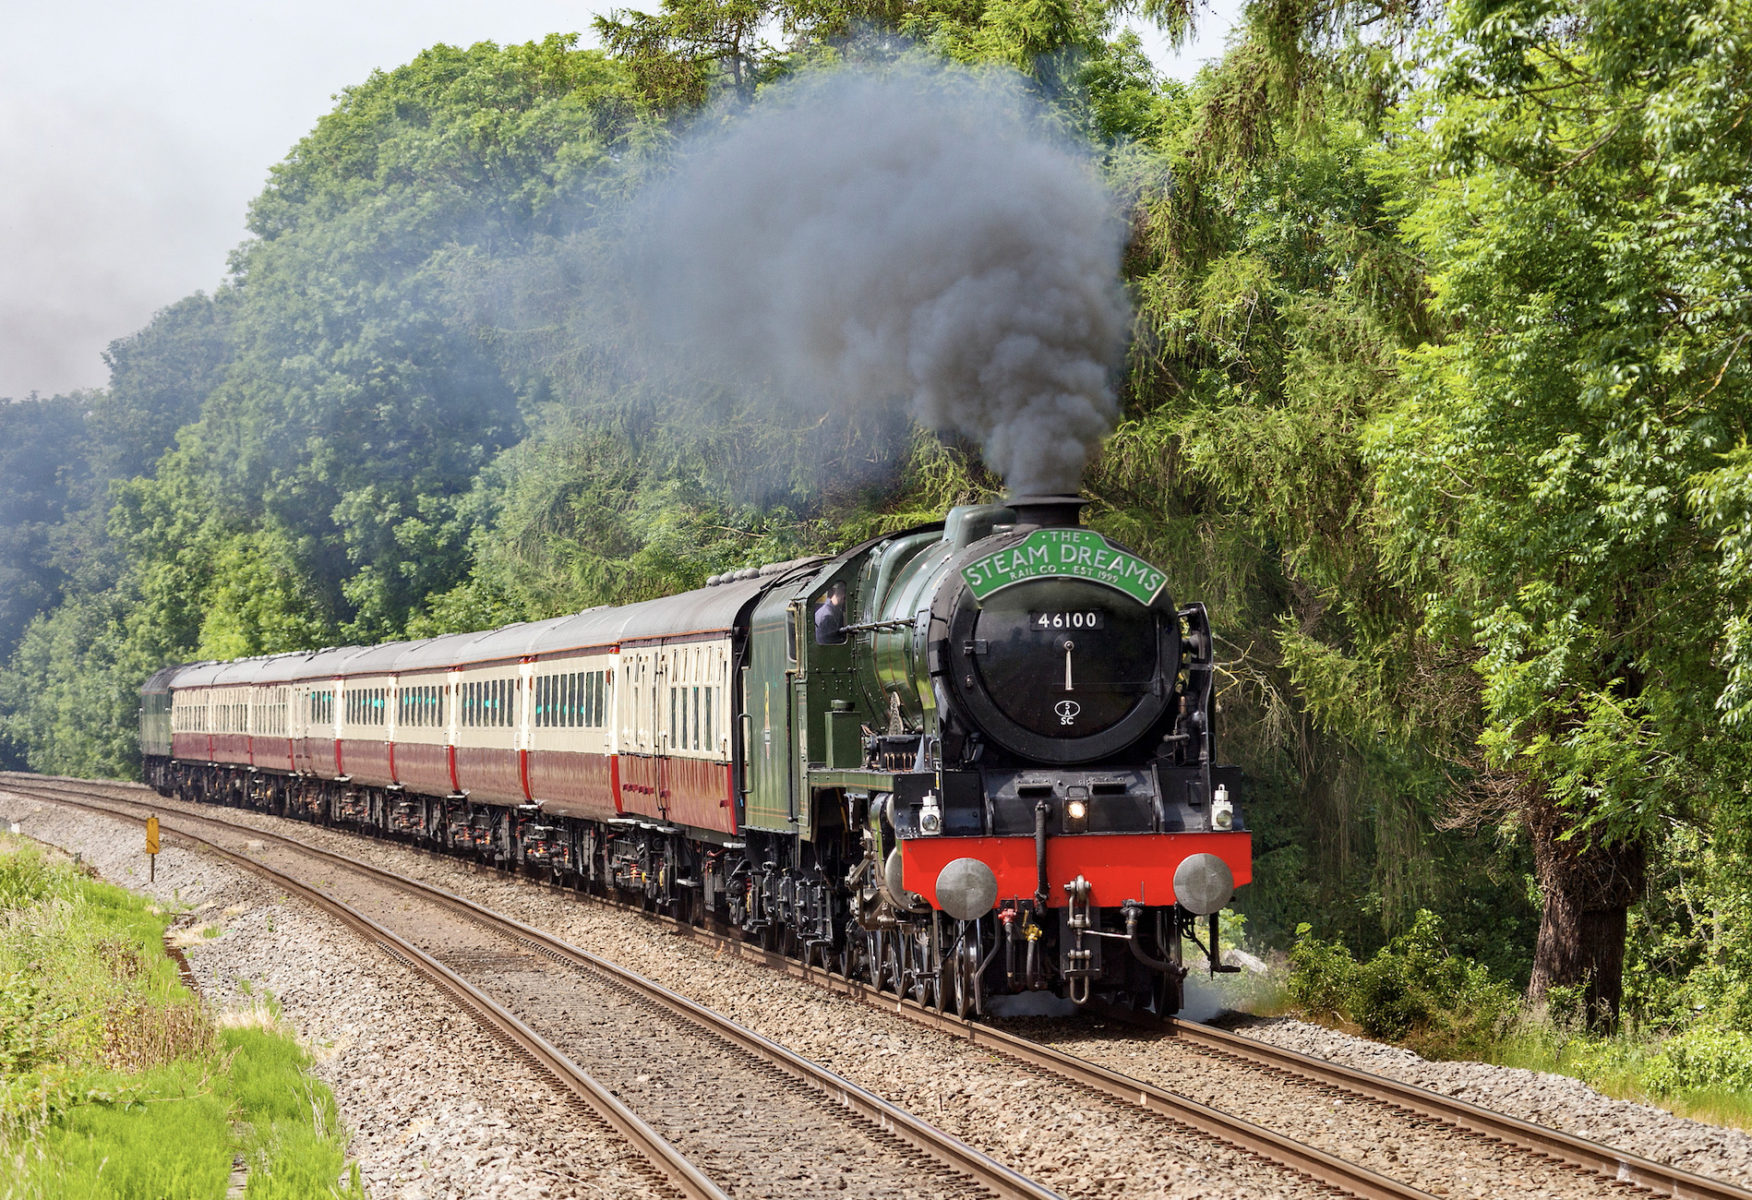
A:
(42, 477)
(159, 378)
(363, 400)
(1274, 297)
(680, 52)
(1560, 483)
(70, 697)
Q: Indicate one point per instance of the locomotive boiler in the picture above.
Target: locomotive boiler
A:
(969, 759)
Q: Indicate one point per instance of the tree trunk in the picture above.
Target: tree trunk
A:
(1588, 892)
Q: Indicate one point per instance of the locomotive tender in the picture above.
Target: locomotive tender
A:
(964, 760)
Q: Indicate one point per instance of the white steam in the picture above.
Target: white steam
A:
(911, 236)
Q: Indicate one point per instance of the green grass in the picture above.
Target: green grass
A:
(116, 1083)
(1704, 1072)
(1444, 1006)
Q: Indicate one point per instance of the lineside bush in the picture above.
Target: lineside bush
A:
(1413, 991)
(1443, 1005)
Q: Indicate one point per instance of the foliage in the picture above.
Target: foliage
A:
(1700, 1060)
(1437, 396)
(1689, 954)
(1580, 208)
(1699, 1072)
(40, 473)
(1414, 990)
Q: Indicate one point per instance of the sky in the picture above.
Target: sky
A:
(133, 137)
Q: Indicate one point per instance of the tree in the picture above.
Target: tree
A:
(159, 378)
(42, 481)
(1554, 484)
(363, 397)
(679, 53)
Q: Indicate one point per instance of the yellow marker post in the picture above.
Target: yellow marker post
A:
(152, 848)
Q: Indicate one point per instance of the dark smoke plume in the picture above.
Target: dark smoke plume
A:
(907, 236)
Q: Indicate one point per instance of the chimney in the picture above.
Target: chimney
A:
(1047, 510)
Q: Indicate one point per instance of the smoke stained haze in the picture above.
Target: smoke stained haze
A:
(906, 236)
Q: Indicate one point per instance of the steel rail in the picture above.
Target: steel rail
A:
(1554, 1143)
(526, 1042)
(1314, 1163)
(945, 1148)
(1551, 1143)
(1266, 1144)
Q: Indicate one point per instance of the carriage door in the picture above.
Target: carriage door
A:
(766, 718)
(663, 723)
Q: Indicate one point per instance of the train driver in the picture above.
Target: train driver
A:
(830, 617)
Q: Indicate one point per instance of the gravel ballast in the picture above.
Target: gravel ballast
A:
(1039, 1127)
(437, 1106)
(1537, 1096)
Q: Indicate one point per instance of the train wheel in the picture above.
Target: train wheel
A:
(890, 964)
(926, 976)
(868, 962)
(969, 988)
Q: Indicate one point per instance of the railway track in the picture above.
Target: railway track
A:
(920, 1159)
(586, 1094)
(1388, 1099)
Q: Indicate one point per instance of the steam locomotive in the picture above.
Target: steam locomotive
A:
(971, 759)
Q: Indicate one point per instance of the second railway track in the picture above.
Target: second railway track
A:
(719, 1111)
(1539, 1161)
